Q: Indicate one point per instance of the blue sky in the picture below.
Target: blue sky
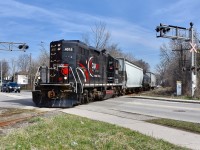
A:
(131, 23)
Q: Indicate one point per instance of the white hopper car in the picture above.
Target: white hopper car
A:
(132, 75)
(149, 81)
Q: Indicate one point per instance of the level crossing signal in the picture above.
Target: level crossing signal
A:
(23, 46)
(163, 29)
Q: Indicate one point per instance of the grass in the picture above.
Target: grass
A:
(183, 125)
(167, 92)
(73, 132)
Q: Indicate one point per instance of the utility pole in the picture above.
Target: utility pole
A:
(30, 70)
(176, 32)
(1, 74)
(193, 61)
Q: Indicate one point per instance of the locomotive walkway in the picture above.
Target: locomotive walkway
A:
(175, 136)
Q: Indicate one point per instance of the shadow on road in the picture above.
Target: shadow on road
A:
(21, 102)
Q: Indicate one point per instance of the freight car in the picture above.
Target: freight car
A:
(132, 76)
(149, 81)
(79, 74)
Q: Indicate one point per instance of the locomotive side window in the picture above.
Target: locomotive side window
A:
(82, 51)
(86, 52)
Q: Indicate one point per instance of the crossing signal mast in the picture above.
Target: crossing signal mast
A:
(187, 34)
(13, 46)
(173, 32)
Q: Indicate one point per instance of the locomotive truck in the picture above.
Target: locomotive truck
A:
(79, 74)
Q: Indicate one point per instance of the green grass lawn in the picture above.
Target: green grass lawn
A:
(73, 132)
(183, 125)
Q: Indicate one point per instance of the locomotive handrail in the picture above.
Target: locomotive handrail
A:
(74, 77)
(35, 81)
(64, 67)
(79, 79)
(54, 73)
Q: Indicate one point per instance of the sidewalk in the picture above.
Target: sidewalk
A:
(177, 137)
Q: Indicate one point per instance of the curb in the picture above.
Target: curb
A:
(166, 99)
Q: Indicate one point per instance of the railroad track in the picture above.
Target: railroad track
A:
(13, 121)
(11, 117)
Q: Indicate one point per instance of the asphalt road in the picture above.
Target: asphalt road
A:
(16, 100)
(127, 107)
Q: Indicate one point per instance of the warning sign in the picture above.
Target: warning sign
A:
(193, 49)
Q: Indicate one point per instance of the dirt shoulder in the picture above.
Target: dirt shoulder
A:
(13, 118)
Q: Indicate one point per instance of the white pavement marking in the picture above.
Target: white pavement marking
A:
(163, 106)
(159, 105)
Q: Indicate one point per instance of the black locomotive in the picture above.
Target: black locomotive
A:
(77, 74)
(80, 74)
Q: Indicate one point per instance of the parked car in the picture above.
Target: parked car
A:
(12, 86)
(3, 87)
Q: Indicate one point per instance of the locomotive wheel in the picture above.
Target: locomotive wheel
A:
(85, 98)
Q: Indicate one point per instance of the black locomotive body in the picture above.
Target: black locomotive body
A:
(77, 74)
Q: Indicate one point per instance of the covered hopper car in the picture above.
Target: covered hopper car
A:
(149, 81)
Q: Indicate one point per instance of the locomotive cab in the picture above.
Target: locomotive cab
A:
(58, 85)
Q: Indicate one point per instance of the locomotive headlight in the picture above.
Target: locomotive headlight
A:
(38, 77)
(65, 78)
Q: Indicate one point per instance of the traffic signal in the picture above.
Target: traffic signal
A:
(166, 29)
(163, 29)
(24, 46)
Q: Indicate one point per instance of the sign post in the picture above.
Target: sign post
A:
(193, 65)
(178, 88)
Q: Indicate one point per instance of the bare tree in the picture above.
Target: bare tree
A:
(43, 56)
(13, 67)
(129, 56)
(144, 65)
(5, 68)
(172, 64)
(24, 62)
(86, 38)
(114, 51)
(100, 36)
(166, 58)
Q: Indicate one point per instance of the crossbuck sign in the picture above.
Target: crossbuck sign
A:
(193, 48)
